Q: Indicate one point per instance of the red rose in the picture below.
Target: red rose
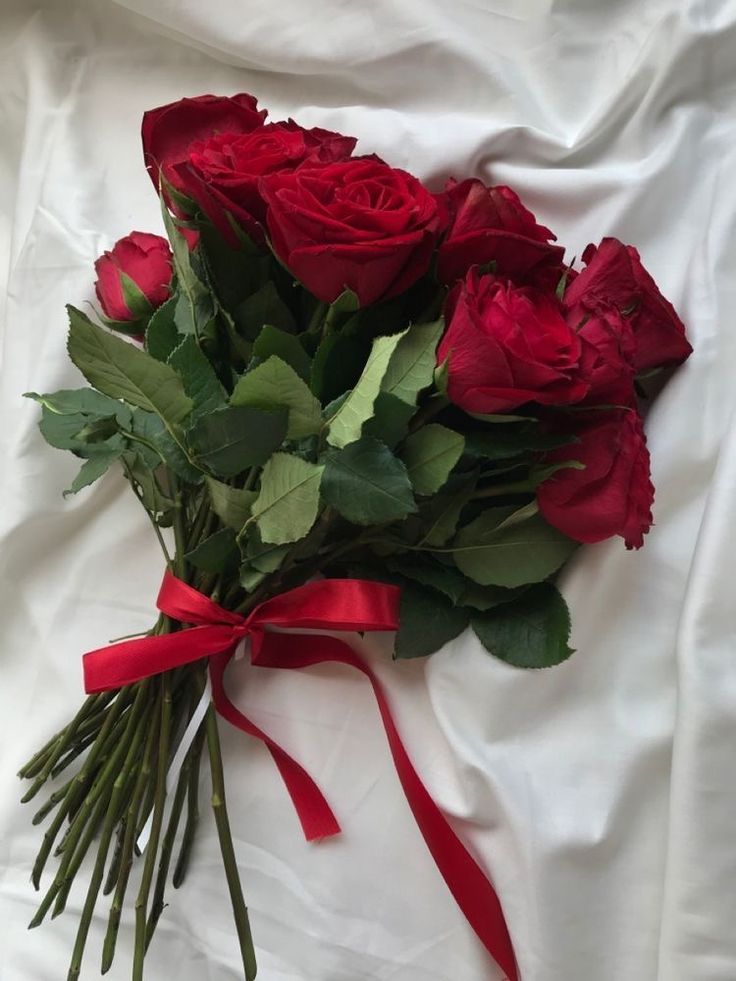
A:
(508, 345)
(490, 224)
(607, 358)
(614, 276)
(358, 225)
(169, 131)
(146, 260)
(222, 173)
(613, 495)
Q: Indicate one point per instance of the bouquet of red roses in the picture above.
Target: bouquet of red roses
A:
(345, 403)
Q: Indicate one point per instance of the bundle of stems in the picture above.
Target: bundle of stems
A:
(121, 744)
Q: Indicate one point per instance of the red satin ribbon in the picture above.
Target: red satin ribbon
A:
(328, 604)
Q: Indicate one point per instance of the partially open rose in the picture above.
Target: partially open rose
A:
(490, 224)
(613, 495)
(507, 345)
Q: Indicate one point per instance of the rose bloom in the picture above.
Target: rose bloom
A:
(490, 224)
(607, 358)
(507, 345)
(613, 495)
(146, 260)
(615, 277)
(222, 150)
(358, 225)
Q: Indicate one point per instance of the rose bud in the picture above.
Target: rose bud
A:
(614, 276)
(358, 225)
(134, 277)
(613, 495)
(508, 345)
(490, 224)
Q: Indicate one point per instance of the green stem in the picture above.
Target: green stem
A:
(502, 490)
(219, 807)
(141, 903)
(121, 781)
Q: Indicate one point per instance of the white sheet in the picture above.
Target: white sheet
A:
(600, 795)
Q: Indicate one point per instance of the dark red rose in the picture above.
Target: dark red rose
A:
(169, 131)
(508, 345)
(614, 276)
(146, 260)
(222, 173)
(613, 495)
(358, 225)
(607, 358)
(490, 224)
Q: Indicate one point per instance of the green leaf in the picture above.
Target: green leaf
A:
(194, 307)
(84, 401)
(218, 553)
(505, 442)
(92, 470)
(441, 513)
(427, 621)
(150, 428)
(274, 385)
(338, 363)
(288, 502)
(413, 363)
(123, 371)
(231, 504)
(367, 484)
(288, 347)
(230, 440)
(486, 597)
(422, 569)
(531, 632)
(161, 334)
(345, 426)
(134, 299)
(146, 479)
(390, 420)
(265, 306)
(200, 381)
(264, 556)
(62, 432)
(430, 454)
(496, 550)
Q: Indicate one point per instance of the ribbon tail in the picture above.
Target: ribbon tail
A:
(313, 811)
(470, 886)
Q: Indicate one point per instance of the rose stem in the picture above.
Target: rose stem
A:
(185, 850)
(92, 706)
(219, 807)
(119, 786)
(126, 861)
(61, 745)
(117, 857)
(79, 781)
(53, 800)
(141, 902)
(102, 789)
(157, 904)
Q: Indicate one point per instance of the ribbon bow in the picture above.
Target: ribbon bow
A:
(328, 604)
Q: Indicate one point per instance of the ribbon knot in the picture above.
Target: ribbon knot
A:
(326, 605)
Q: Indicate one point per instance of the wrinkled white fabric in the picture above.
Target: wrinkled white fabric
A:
(600, 795)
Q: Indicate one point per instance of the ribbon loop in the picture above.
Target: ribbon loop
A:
(325, 605)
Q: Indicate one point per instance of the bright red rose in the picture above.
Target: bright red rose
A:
(169, 131)
(358, 225)
(222, 173)
(613, 495)
(614, 276)
(490, 224)
(507, 345)
(146, 260)
(607, 358)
